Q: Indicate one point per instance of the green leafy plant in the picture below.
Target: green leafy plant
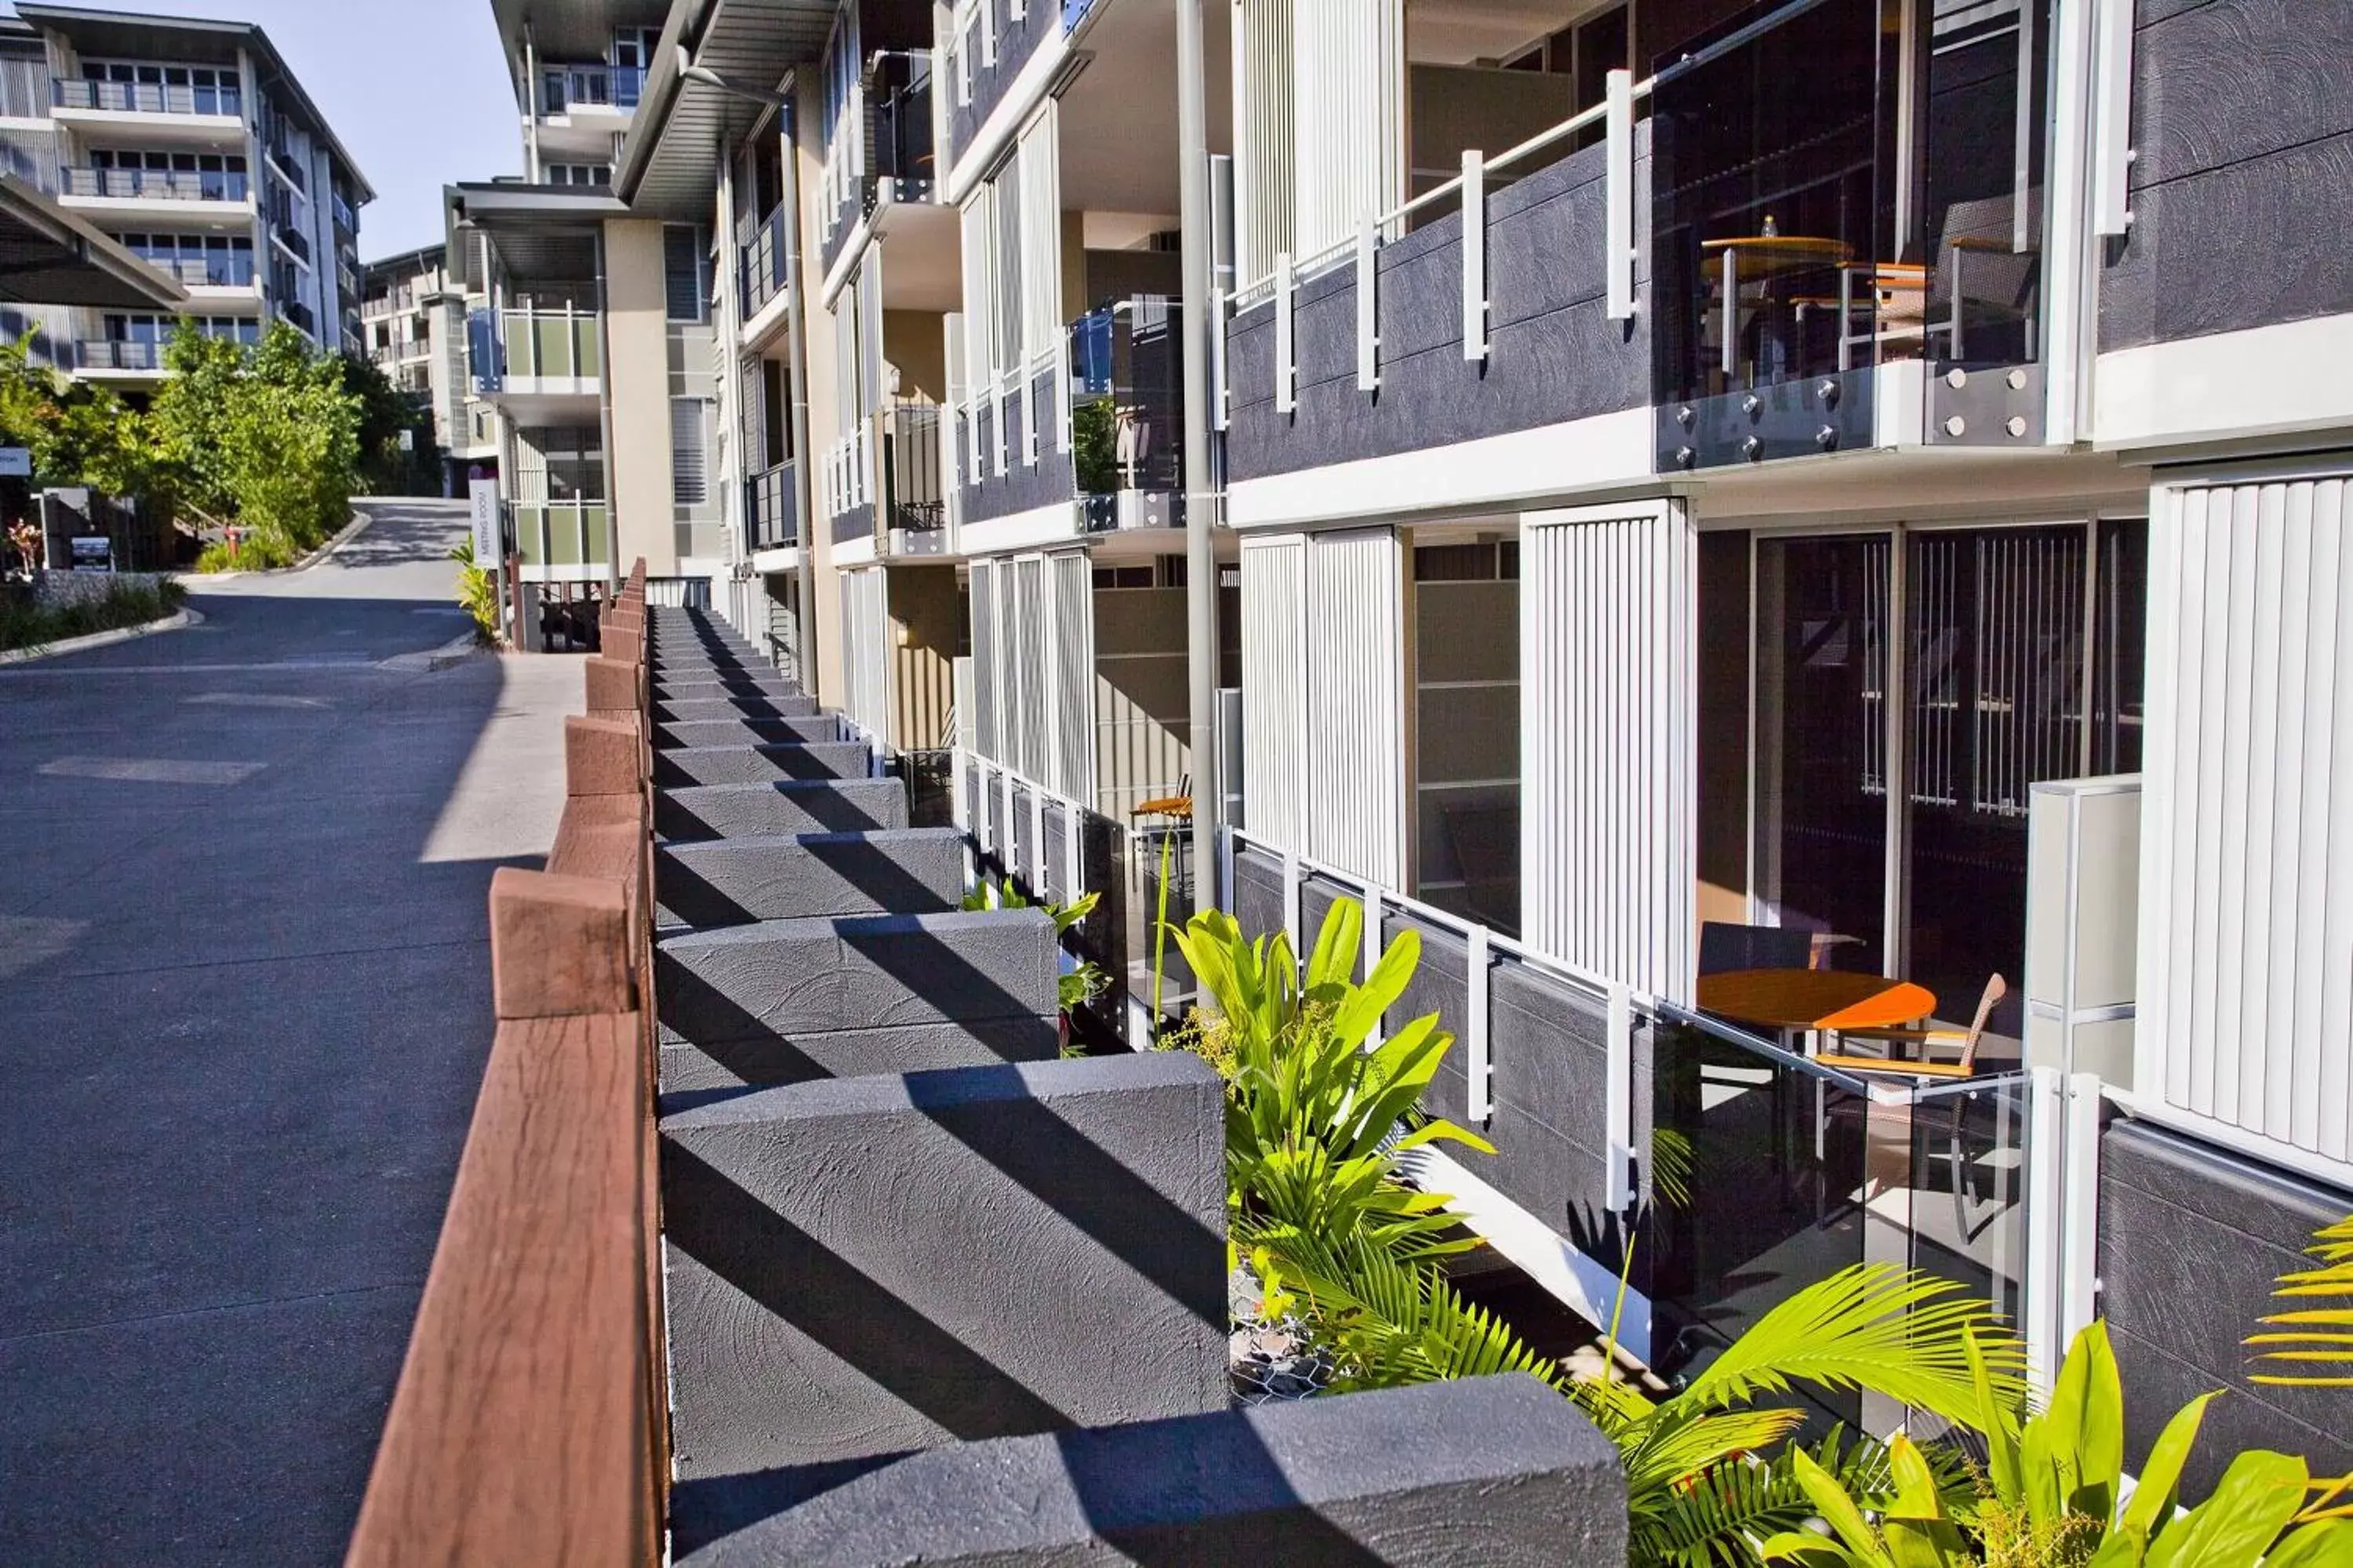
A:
(1094, 445)
(2051, 1493)
(1075, 987)
(477, 591)
(25, 624)
(2308, 1338)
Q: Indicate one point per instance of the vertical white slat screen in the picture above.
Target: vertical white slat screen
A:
(1608, 689)
(1274, 688)
(1041, 237)
(1355, 685)
(865, 650)
(848, 319)
(2246, 893)
(870, 334)
(1071, 583)
(980, 725)
(979, 334)
(1030, 641)
(1005, 266)
(1263, 138)
(1348, 117)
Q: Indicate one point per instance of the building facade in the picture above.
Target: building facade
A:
(192, 144)
(1651, 506)
(413, 320)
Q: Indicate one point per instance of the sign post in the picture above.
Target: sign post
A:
(490, 545)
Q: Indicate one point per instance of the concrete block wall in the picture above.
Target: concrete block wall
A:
(932, 1294)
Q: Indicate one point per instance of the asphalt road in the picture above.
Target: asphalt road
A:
(244, 1006)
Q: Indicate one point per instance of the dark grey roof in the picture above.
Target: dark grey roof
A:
(50, 257)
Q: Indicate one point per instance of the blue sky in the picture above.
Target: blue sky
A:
(415, 88)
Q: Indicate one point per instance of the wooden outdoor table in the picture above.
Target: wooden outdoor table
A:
(1814, 999)
(1765, 256)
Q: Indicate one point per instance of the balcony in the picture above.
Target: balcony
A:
(767, 262)
(569, 532)
(145, 98)
(770, 510)
(535, 352)
(564, 90)
(206, 272)
(296, 242)
(847, 488)
(1127, 414)
(898, 88)
(347, 222)
(298, 313)
(110, 354)
(156, 185)
(914, 504)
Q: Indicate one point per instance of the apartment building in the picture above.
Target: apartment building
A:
(193, 145)
(1694, 486)
(413, 323)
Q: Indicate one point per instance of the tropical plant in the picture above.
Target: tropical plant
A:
(2310, 1337)
(1094, 445)
(1076, 986)
(262, 434)
(477, 591)
(2051, 1493)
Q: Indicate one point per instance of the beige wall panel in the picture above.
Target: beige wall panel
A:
(637, 341)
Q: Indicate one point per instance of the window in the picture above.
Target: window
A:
(690, 420)
(571, 458)
(686, 271)
(578, 174)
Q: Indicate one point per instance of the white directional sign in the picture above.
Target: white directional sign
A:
(484, 494)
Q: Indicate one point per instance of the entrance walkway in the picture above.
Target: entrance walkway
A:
(244, 1006)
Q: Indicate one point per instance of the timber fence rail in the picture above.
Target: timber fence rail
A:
(528, 1425)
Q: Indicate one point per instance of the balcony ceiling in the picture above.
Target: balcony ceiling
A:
(669, 165)
(1457, 32)
(544, 234)
(570, 32)
(49, 257)
(1119, 117)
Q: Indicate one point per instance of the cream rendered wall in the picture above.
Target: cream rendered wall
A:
(637, 382)
(817, 361)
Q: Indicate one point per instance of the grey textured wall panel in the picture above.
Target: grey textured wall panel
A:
(1257, 892)
(1017, 38)
(2190, 1241)
(1498, 1472)
(861, 1267)
(696, 1074)
(760, 764)
(781, 805)
(1553, 352)
(747, 731)
(2243, 137)
(784, 877)
(1024, 486)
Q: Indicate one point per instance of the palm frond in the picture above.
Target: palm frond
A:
(1898, 1332)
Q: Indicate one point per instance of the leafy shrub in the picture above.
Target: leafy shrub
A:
(477, 591)
(24, 624)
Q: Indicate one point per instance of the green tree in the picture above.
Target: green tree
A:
(385, 411)
(77, 433)
(267, 435)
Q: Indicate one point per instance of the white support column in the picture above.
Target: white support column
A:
(1479, 1103)
(1474, 254)
(1286, 369)
(1618, 195)
(1220, 399)
(1368, 370)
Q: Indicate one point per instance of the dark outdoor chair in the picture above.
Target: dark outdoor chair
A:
(1724, 947)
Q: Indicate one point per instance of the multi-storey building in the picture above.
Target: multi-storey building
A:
(1862, 483)
(192, 144)
(413, 316)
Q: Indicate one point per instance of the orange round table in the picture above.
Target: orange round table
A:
(1814, 999)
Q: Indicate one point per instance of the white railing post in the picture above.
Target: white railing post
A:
(1368, 370)
(1373, 952)
(1073, 869)
(2079, 1251)
(1286, 388)
(1291, 899)
(1221, 896)
(2112, 154)
(1618, 195)
(960, 811)
(1219, 400)
(1618, 1192)
(1474, 254)
(1477, 1070)
(1037, 863)
(1005, 856)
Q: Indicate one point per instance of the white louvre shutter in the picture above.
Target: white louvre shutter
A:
(1348, 117)
(1274, 688)
(2246, 889)
(1608, 844)
(1355, 748)
(1073, 588)
(1041, 237)
(1263, 138)
(982, 722)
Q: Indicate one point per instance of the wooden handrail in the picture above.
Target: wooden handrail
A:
(530, 1423)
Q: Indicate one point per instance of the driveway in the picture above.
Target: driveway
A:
(244, 1008)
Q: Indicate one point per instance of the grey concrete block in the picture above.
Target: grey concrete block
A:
(760, 764)
(788, 876)
(699, 702)
(778, 979)
(860, 1267)
(1496, 1472)
(692, 1075)
(780, 806)
(771, 684)
(747, 731)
